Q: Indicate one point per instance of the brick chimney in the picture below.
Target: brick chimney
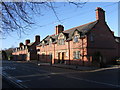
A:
(59, 29)
(100, 14)
(37, 38)
(27, 41)
(20, 44)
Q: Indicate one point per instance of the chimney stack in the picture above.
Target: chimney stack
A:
(37, 38)
(59, 29)
(27, 41)
(100, 14)
(20, 44)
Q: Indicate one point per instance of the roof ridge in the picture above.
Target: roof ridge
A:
(52, 35)
(80, 25)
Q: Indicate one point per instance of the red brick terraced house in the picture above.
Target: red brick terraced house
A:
(27, 51)
(81, 45)
(117, 39)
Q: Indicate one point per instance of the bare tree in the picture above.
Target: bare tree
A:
(17, 16)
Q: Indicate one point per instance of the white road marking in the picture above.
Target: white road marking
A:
(8, 67)
(93, 81)
(14, 80)
(46, 74)
(32, 75)
(103, 69)
(18, 81)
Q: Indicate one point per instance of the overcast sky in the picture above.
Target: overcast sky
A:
(70, 17)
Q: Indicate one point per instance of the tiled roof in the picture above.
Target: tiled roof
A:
(82, 28)
(29, 44)
(68, 33)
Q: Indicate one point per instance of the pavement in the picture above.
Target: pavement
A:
(12, 81)
(77, 67)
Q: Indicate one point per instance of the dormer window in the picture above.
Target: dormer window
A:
(61, 42)
(61, 39)
(50, 42)
(43, 44)
(76, 36)
(22, 47)
(26, 47)
(75, 39)
(16, 50)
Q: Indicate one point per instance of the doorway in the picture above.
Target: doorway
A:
(63, 54)
(61, 57)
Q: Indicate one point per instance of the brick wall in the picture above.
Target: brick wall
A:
(104, 42)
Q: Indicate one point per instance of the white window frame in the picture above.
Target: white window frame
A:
(76, 54)
(76, 39)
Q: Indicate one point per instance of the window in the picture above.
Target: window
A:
(91, 38)
(26, 47)
(42, 45)
(61, 42)
(75, 38)
(76, 54)
(23, 48)
(50, 43)
(16, 50)
(66, 54)
(50, 54)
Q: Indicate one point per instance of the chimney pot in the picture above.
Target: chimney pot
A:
(27, 41)
(20, 45)
(59, 29)
(37, 38)
(100, 14)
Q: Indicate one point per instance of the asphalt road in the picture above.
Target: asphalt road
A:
(33, 76)
(5, 84)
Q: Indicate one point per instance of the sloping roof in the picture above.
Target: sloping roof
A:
(68, 33)
(82, 28)
(29, 44)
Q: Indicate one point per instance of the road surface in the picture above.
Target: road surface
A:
(31, 75)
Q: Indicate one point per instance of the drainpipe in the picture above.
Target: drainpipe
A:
(69, 50)
(54, 54)
(46, 54)
(82, 49)
(82, 52)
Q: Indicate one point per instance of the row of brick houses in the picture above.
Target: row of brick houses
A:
(26, 51)
(80, 45)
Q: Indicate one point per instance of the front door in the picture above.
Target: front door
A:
(63, 54)
(59, 57)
